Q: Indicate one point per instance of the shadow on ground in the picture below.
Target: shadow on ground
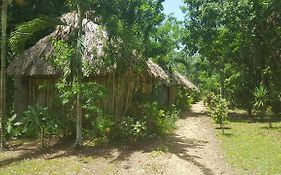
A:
(245, 118)
(174, 144)
(186, 114)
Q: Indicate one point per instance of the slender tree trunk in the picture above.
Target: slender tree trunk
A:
(3, 73)
(79, 116)
(78, 79)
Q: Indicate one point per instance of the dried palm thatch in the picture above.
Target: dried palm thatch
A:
(35, 61)
(156, 71)
(180, 80)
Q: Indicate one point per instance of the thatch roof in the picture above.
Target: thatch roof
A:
(36, 61)
(180, 80)
(33, 61)
(156, 71)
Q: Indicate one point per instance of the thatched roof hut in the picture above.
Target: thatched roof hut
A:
(34, 67)
(35, 61)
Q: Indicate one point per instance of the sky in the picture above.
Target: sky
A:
(173, 6)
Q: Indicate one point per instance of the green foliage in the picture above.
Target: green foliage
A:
(219, 110)
(237, 45)
(261, 98)
(159, 121)
(209, 99)
(12, 126)
(36, 122)
(28, 10)
(68, 90)
(103, 125)
(24, 32)
(167, 123)
(261, 104)
(132, 129)
(130, 26)
(166, 41)
(92, 94)
(148, 121)
(185, 98)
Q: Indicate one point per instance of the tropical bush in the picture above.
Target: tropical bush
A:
(12, 127)
(209, 99)
(185, 98)
(261, 104)
(160, 121)
(219, 110)
(148, 121)
(261, 98)
(131, 129)
(36, 122)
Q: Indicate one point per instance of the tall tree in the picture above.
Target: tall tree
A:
(3, 72)
(79, 75)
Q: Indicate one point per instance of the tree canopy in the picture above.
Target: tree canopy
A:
(239, 41)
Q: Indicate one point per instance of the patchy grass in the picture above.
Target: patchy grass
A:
(73, 164)
(30, 158)
(252, 148)
(41, 166)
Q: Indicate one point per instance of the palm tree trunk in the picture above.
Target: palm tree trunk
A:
(79, 74)
(3, 73)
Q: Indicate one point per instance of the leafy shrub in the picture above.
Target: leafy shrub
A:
(38, 118)
(261, 104)
(36, 122)
(92, 94)
(160, 122)
(129, 129)
(139, 129)
(149, 120)
(261, 98)
(184, 99)
(103, 125)
(12, 127)
(219, 110)
(209, 99)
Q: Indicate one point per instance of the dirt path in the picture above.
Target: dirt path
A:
(205, 156)
(193, 149)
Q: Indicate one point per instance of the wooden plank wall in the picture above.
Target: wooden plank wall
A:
(120, 88)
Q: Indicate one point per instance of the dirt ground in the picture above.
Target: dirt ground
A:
(192, 150)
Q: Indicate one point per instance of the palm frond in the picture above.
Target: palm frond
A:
(23, 32)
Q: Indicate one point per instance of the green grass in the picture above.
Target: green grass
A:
(251, 148)
(70, 164)
(41, 166)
